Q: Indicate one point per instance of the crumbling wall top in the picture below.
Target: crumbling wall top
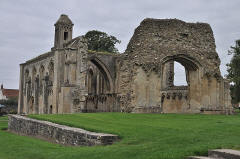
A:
(154, 39)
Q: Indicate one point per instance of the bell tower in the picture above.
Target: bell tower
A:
(63, 31)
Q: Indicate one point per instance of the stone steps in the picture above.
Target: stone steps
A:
(219, 154)
(224, 154)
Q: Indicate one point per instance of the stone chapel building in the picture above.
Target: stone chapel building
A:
(70, 78)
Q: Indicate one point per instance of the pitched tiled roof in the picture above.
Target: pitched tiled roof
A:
(10, 92)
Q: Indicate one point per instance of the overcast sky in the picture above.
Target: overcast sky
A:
(27, 26)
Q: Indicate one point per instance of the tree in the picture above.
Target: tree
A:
(10, 102)
(100, 41)
(233, 69)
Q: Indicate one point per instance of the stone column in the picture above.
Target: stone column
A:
(57, 79)
(29, 93)
(45, 95)
(36, 95)
(81, 73)
(168, 74)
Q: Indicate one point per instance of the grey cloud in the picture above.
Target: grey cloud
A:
(27, 25)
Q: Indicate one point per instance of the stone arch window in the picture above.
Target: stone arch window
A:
(104, 79)
(103, 86)
(26, 75)
(31, 104)
(187, 63)
(51, 72)
(34, 73)
(99, 78)
(26, 78)
(190, 72)
(41, 77)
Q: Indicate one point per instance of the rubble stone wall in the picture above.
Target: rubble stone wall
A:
(70, 78)
(144, 72)
(58, 133)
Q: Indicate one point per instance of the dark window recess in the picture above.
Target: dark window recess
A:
(50, 111)
(65, 35)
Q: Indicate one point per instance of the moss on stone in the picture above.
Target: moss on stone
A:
(103, 53)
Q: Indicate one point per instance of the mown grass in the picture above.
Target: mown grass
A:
(143, 136)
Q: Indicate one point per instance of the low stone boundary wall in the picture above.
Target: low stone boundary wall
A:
(219, 154)
(57, 133)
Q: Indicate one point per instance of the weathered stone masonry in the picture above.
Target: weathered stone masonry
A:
(146, 69)
(58, 133)
(70, 78)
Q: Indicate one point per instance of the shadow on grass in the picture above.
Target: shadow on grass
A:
(4, 129)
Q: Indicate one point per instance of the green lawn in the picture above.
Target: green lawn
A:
(143, 136)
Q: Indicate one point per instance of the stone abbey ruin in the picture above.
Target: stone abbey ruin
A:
(70, 78)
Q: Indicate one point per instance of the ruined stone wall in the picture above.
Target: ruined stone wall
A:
(58, 133)
(36, 84)
(55, 82)
(64, 87)
(157, 42)
(72, 79)
(156, 39)
(72, 76)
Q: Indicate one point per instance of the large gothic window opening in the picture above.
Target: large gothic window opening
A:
(31, 103)
(51, 73)
(26, 83)
(179, 75)
(41, 77)
(98, 82)
(178, 71)
(34, 73)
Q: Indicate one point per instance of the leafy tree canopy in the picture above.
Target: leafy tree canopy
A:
(101, 41)
(233, 69)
